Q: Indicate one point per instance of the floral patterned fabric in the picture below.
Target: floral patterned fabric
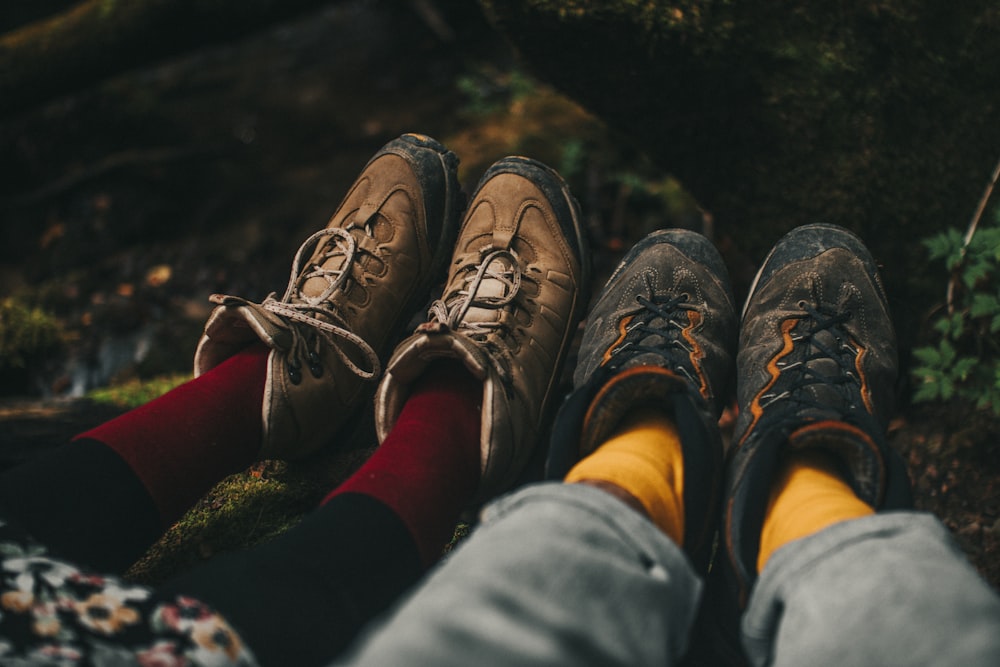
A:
(54, 613)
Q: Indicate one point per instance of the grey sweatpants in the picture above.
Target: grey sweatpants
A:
(565, 574)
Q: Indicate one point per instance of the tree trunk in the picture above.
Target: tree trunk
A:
(95, 39)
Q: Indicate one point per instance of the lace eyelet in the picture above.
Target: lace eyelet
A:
(294, 370)
(315, 367)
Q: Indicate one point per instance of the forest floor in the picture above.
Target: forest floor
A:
(123, 207)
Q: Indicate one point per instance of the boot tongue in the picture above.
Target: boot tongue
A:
(333, 254)
(326, 264)
(312, 288)
(826, 393)
(658, 335)
(492, 290)
(645, 359)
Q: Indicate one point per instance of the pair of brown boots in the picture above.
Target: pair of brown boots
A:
(512, 300)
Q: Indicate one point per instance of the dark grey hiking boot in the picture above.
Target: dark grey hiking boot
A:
(354, 285)
(515, 293)
(816, 368)
(662, 334)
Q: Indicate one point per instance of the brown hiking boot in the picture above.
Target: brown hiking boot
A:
(353, 286)
(514, 296)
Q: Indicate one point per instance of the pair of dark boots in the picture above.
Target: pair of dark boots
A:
(815, 362)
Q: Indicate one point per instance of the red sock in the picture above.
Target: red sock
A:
(427, 470)
(184, 442)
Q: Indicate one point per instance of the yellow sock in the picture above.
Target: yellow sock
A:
(807, 496)
(644, 458)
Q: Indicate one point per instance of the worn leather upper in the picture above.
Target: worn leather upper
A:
(353, 286)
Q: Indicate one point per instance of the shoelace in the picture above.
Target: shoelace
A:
(452, 309)
(817, 320)
(668, 309)
(298, 307)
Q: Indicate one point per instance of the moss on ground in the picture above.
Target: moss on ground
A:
(27, 333)
(136, 392)
(242, 510)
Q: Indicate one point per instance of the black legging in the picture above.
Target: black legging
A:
(301, 597)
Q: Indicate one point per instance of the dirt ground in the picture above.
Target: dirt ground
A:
(954, 465)
(122, 208)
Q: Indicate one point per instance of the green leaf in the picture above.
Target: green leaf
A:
(948, 353)
(927, 391)
(964, 366)
(974, 272)
(959, 325)
(937, 246)
(984, 305)
(928, 355)
(947, 388)
(952, 326)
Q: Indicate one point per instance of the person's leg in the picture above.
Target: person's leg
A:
(658, 348)
(821, 579)
(556, 574)
(104, 498)
(823, 549)
(274, 379)
(459, 413)
(307, 592)
(353, 286)
(591, 572)
(54, 611)
(889, 589)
